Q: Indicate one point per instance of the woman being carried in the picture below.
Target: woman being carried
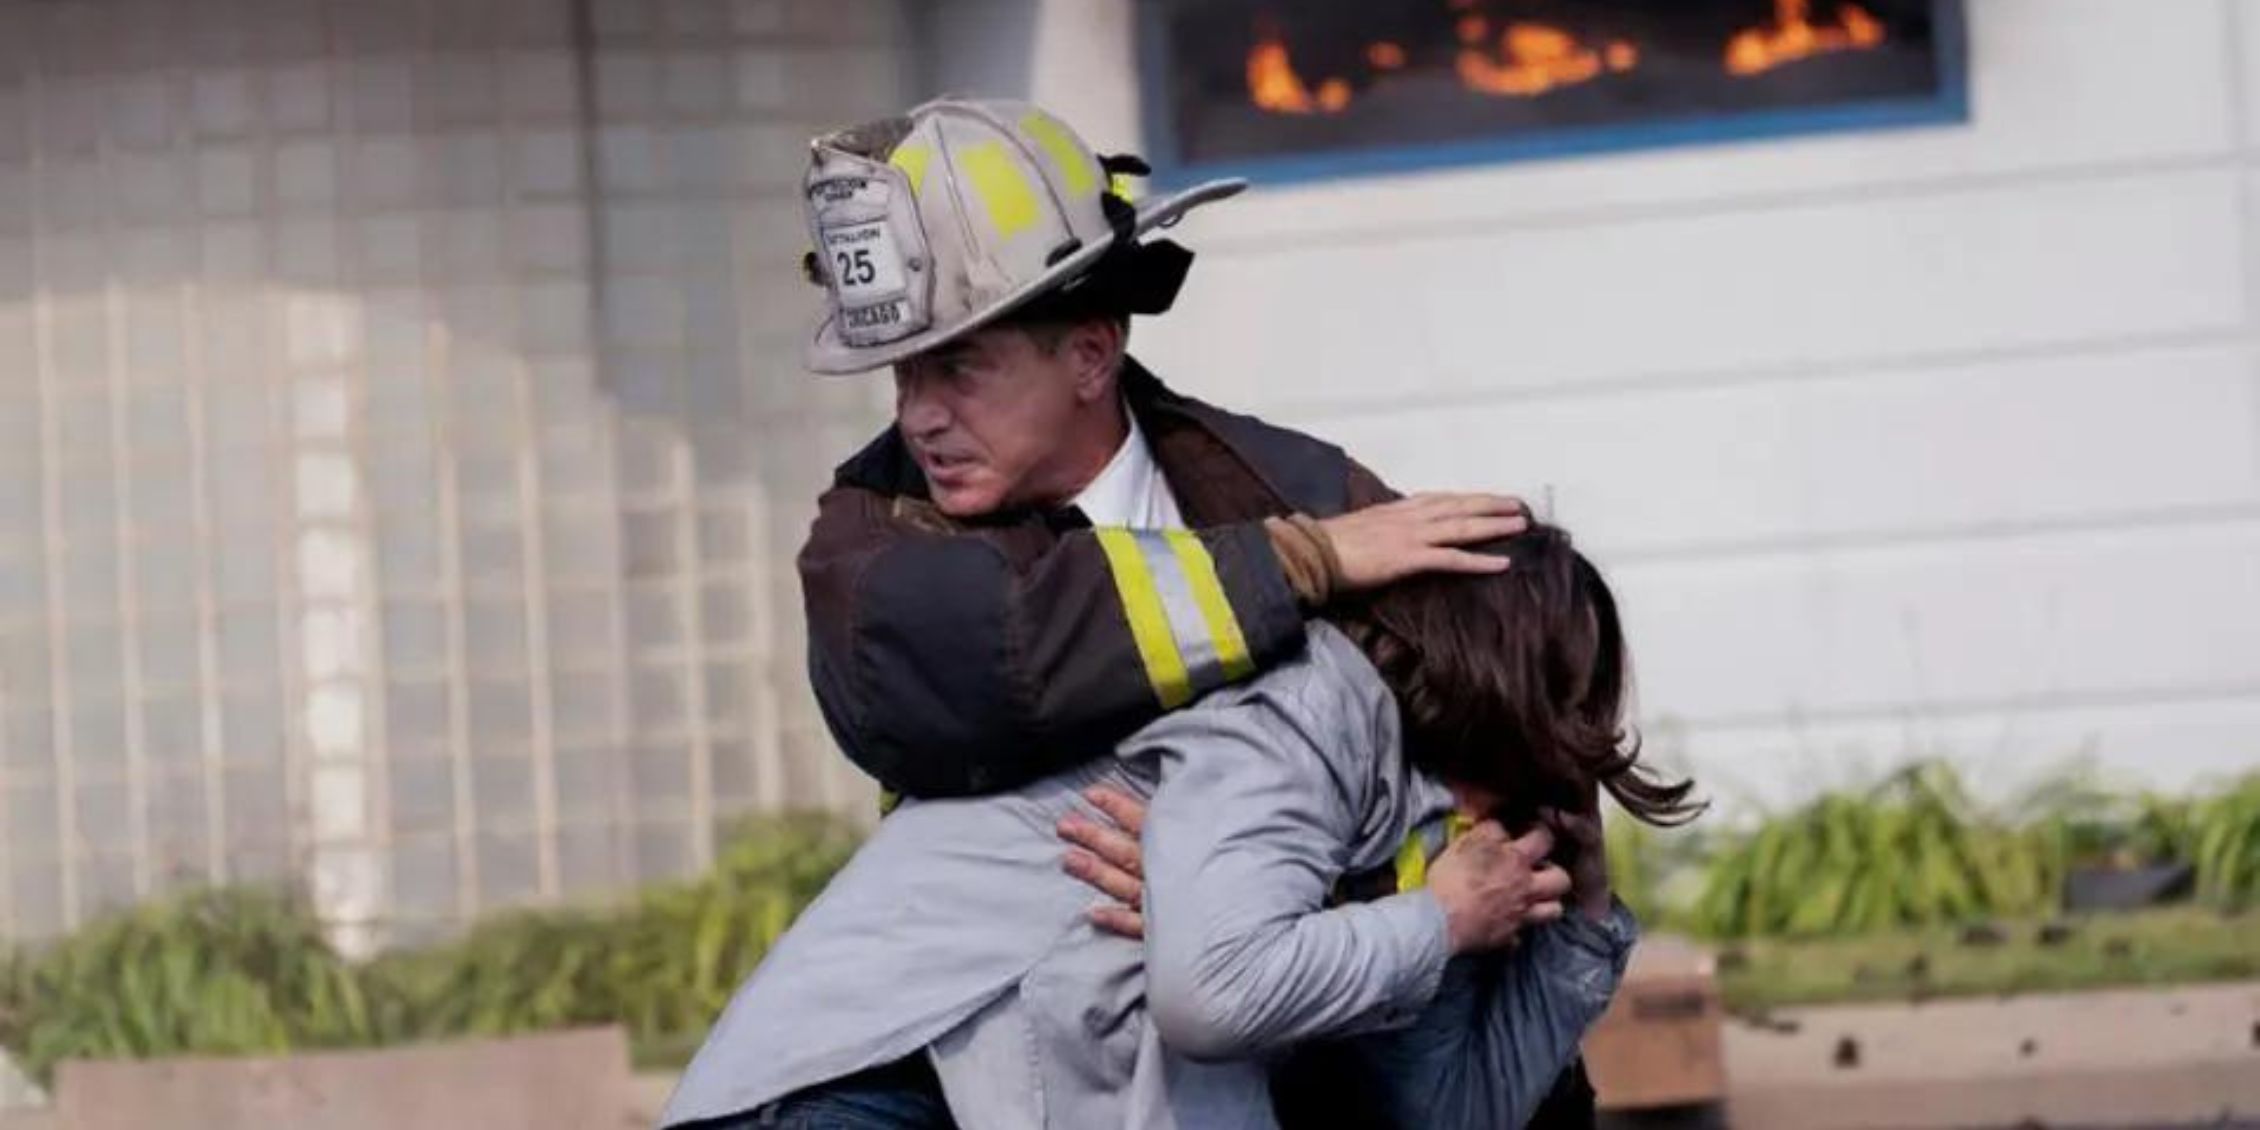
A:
(1302, 895)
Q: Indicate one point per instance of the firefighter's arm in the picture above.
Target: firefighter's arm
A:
(1383, 537)
(951, 662)
(1367, 489)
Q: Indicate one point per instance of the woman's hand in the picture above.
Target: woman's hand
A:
(1587, 858)
(1106, 856)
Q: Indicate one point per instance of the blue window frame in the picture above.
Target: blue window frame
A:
(1385, 86)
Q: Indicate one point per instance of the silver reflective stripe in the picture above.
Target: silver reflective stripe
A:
(1204, 668)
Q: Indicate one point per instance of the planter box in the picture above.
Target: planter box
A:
(1661, 1044)
(2136, 1057)
(2089, 889)
(565, 1081)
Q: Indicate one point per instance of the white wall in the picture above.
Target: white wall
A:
(1943, 439)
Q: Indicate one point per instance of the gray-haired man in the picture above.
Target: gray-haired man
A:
(1049, 550)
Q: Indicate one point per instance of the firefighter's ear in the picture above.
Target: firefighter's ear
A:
(1094, 350)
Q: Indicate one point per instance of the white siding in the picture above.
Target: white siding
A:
(1929, 440)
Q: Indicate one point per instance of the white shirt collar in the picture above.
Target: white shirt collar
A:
(1130, 490)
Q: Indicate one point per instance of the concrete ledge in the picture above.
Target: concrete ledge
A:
(2139, 1057)
(558, 1081)
(2205, 1094)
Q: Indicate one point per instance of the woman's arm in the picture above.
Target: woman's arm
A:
(1253, 823)
(1248, 831)
(1501, 1030)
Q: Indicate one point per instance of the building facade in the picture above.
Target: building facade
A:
(1938, 440)
(406, 445)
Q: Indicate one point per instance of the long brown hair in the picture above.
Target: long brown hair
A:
(1517, 683)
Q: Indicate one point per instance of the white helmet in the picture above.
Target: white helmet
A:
(929, 226)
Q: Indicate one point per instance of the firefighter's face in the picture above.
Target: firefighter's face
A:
(1007, 417)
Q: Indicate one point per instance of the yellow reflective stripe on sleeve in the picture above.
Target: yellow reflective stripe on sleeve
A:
(1004, 190)
(1216, 609)
(1076, 171)
(1412, 862)
(912, 160)
(1149, 621)
(1422, 843)
(1194, 646)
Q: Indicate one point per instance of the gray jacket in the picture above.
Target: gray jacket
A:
(1261, 810)
(954, 930)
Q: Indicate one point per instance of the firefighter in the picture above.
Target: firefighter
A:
(1050, 548)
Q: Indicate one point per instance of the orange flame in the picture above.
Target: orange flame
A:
(1536, 58)
(1273, 84)
(1794, 36)
(1525, 60)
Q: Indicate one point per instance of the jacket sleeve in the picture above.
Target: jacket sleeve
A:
(1488, 1050)
(1243, 840)
(1367, 489)
(954, 661)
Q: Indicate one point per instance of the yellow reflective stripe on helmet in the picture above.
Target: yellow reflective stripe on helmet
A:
(1216, 609)
(912, 160)
(1076, 169)
(1149, 621)
(1004, 191)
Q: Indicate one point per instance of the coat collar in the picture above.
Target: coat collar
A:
(1222, 466)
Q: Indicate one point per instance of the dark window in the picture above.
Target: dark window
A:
(1287, 88)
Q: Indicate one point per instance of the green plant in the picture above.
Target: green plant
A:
(1651, 869)
(1911, 851)
(228, 971)
(2163, 946)
(247, 971)
(2091, 824)
(1632, 863)
(2224, 844)
(662, 965)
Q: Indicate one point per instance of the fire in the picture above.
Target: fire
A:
(1274, 85)
(1794, 36)
(1536, 58)
(1525, 60)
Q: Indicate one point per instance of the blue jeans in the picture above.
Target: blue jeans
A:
(903, 1095)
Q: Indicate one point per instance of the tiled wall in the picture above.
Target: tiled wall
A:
(404, 442)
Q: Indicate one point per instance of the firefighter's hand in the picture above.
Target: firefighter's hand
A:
(1491, 886)
(1106, 855)
(1420, 534)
